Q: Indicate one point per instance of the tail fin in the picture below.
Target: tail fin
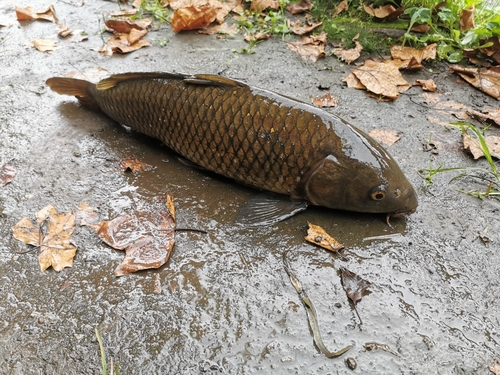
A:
(74, 87)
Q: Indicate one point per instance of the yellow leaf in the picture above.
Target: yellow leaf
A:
(318, 236)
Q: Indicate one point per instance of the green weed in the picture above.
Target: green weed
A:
(104, 366)
(154, 9)
(488, 176)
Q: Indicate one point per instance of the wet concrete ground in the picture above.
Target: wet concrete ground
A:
(226, 304)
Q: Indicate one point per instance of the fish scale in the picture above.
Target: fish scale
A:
(256, 137)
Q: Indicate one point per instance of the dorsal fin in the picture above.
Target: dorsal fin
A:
(115, 79)
(210, 79)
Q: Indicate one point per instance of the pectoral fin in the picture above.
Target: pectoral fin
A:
(266, 209)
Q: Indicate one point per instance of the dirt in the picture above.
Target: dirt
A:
(226, 304)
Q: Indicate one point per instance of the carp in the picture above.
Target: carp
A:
(255, 137)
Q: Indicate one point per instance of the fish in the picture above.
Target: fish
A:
(299, 154)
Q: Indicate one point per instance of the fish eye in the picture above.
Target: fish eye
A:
(378, 193)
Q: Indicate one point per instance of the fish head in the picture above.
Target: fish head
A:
(353, 184)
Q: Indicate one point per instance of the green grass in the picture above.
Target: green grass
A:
(489, 177)
(104, 366)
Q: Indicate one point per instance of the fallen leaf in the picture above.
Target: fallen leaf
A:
(85, 215)
(467, 18)
(473, 145)
(7, 174)
(300, 28)
(383, 12)
(495, 368)
(310, 47)
(148, 237)
(300, 7)
(381, 78)
(349, 55)
(492, 115)
(343, 6)
(52, 234)
(353, 82)
(192, 18)
(63, 31)
(326, 100)
(125, 26)
(257, 36)
(407, 53)
(318, 236)
(45, 45)
(260, 5)
(385, 136)
(220, 29)
(485, 79)
(427, 84)
(354, 285)
(420, 28)
(135, 165)
(30, 13)
(121, 44)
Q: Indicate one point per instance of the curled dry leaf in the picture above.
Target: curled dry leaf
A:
(349, 55)
(490, 115)
(121, 44)
(135, 165)
(300, 7)
(473, 145)
(384, 12)
(385, 136)
(45, 45)
(326, 100)
(220, 29)
(7, 174)
(310, 47)
(318, 236)
(192, 18)
(343, 6)
(30, 13)
(300, 28)
(485, 79)
(148, 237)
(354, 285)
(467, 19)
(125, 26)
(260, 5)
(407, 53)
(52, 234)
(427, 84)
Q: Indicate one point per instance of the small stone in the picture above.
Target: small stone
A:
(351, 363)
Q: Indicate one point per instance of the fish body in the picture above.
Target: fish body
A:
(254, 136)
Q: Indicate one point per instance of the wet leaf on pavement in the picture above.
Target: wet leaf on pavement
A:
(125, 26)
(318, 236)
(385, 136)
(52, 234)
(354, 285)
(300, 28)
(490, 115)
(147, 237)
(326, 100)
(300, 7)
(473, 145)
(192, 18)
(220, 29)
(135, 165)
(413, 56)
(30, 14)
(349, 55)
(45, 45)
(485, 79)
(310, 47)
(427, 84)
(7, 174)
(495, 368)
(71, 35)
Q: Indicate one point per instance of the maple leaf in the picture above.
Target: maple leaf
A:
(7, 174)
(52, 234)
(318, 236)
(354, 285)
(146, 236)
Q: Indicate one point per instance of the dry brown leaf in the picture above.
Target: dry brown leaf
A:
(473, 145)
(344, 5)
(220, 29)
(485, 79)
(467, 19)
(326, 100)
(495, 369)
(260, 5)
(318, 236)
(63, 31)
(120, 44)
(381, 78)
(135, 35)
(192, 18)
(386, 11)
(135, 165)
(30, 13)
(125, 26)
(420, 28)
(407, 53)
(52, 234)
(349, 55)
(353, 82)
(427, 84)
(490, 115)
(148, 237)
(354, 285)
(45, 45)
(300, 28)
(300, 7)
(385, 136)
(257, 36)
(7, 174)
(310, 47)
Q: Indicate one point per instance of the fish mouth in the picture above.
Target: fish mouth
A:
(399, 215)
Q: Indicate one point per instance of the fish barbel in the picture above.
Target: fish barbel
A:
(256, 137)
